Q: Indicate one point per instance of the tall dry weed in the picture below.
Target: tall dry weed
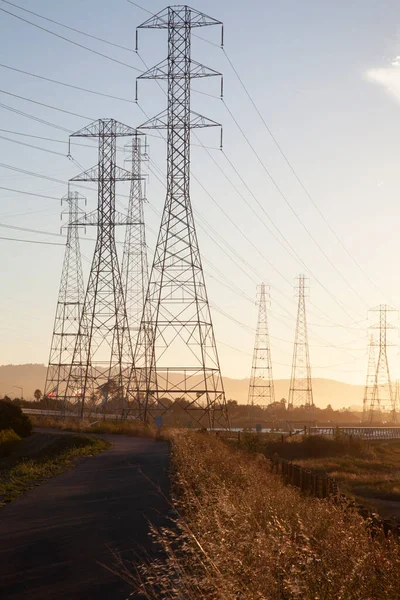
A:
(241, 534)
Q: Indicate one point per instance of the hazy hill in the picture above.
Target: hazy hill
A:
(326, 391)
(29, 377)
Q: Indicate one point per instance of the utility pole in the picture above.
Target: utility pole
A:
(370, 381)
(300, 392)
(183, 374)
(383, 400)
(103, 351)
(261, 388)
(68, 312)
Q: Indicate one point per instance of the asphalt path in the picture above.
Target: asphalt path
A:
(55, 539)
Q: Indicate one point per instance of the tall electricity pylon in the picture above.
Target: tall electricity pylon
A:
(183, 376)
(261, 388)
(383, 400)
(103, 351)
(134, 270)
(370, 380)
(396, 397)
(300, 392)
(69, 308)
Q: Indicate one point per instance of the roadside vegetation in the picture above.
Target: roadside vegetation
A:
(240, 533)
(27, 459)
(130, 428)
(60, 453)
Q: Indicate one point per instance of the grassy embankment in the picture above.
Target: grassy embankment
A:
(240, 533)
(25, 463)
(368, 471)
(130, 428)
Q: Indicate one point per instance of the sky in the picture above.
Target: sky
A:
(308, 184)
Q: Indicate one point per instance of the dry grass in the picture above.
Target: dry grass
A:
(130, 428)
(241, 534)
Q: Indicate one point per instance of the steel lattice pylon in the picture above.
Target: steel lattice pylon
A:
(68, 311)
(300, 392)
(383, 402)
(134, 270)
(103, 351)
(176, 345)
(370, 380)
(261, 388)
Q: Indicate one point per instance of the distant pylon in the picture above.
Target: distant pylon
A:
(383, 399)
(134, 270)
(69, 306)
(300, 392)
(397, 397)
(261, 388)
(370, 380)
(183, 378)
(103, 352)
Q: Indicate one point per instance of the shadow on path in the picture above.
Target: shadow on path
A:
(53, 538)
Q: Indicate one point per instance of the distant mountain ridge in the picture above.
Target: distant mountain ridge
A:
(326, 391)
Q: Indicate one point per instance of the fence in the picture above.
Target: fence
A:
(369, 433)
(309, 482)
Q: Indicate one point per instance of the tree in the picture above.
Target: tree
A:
(38, 394)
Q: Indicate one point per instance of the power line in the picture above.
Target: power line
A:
(69, 85)
(216, 236)
(29, 230)
(60, 181)
(296, 175)
(29, 193)
(32, 117)
(51, 179)
(70, 41)
(70, 28)
(286, 200)
(2, 137)
(294, 172)
(31, 241)
(68, 112)
(235, 225)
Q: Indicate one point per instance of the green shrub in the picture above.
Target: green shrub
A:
(12, 417)
(9, 440)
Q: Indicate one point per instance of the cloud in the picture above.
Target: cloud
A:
(387, 77)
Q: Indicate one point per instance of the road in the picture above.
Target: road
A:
(53, 538)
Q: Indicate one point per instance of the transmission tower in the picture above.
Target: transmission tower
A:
(69, 307)
(370, 381)
(183, 376)
(261, 388)
(396, 397)
(300, 392)
(134, 270)
(103, 350)
(383, 400)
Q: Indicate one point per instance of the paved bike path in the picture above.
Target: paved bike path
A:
(53, 538)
